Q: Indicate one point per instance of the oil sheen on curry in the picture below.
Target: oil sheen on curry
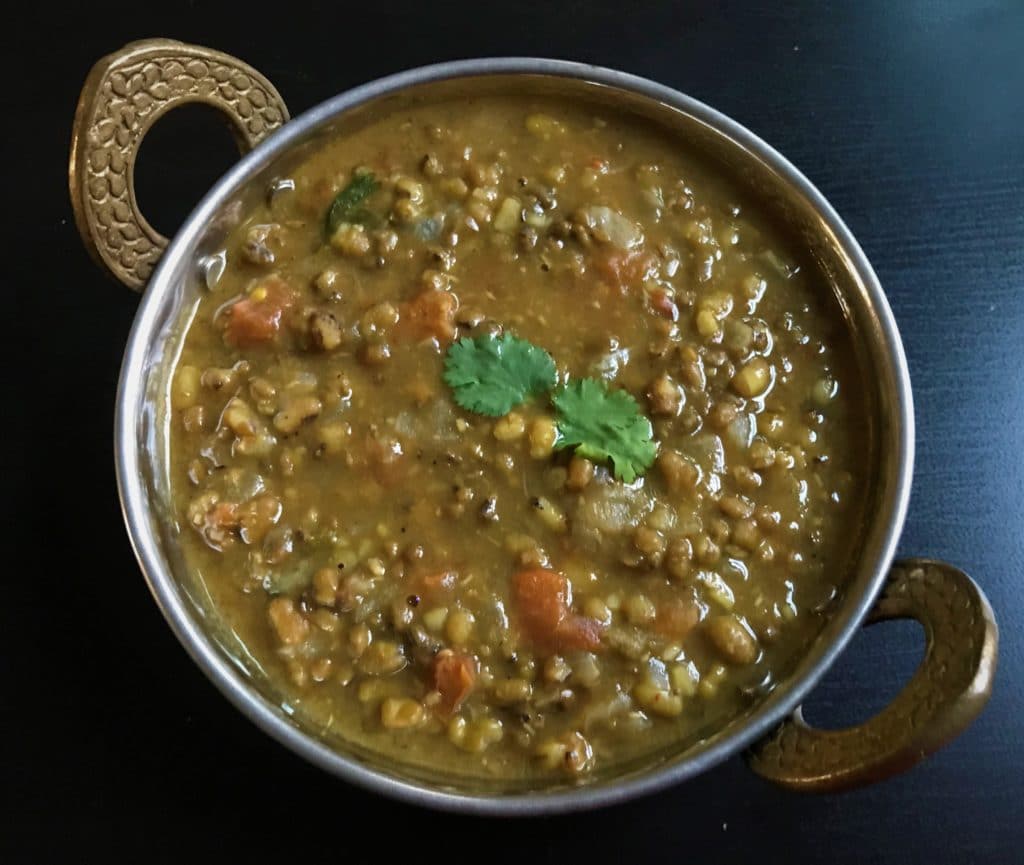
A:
(513, 444)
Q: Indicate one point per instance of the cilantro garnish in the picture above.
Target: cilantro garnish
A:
(491, 375)
(346, 204)
(605, 424)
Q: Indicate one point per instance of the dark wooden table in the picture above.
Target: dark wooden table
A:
(909, 116)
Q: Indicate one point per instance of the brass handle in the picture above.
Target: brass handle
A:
(949, 689)
(125, 94)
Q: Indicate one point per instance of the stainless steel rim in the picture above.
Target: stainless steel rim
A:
(135, 506)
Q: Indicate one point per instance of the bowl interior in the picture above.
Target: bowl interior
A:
(784, 195)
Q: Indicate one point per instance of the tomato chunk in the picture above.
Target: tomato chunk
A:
(544, 602)
(676, 617)
(386, 459)
(626, 268)
(663, 304)
(256, 318)
(454, 676)
(433, 583)
(430, 314)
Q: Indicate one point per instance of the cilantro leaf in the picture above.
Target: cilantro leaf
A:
(491, 375)
(605, 424)
(346, 204)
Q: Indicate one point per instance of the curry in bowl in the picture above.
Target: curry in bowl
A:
(513, 441)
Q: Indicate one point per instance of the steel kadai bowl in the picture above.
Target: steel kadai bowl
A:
(129, 90)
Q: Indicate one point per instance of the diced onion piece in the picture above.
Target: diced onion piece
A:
(612, 226)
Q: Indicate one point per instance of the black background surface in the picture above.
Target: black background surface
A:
(909, 116)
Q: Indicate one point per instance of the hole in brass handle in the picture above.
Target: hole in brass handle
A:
(124, 95)
(949, 689)
(869, 674)
(180, 158)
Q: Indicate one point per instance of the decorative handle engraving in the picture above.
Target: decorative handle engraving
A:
(125, 94)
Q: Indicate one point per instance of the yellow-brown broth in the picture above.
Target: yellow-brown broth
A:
(325, 476)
